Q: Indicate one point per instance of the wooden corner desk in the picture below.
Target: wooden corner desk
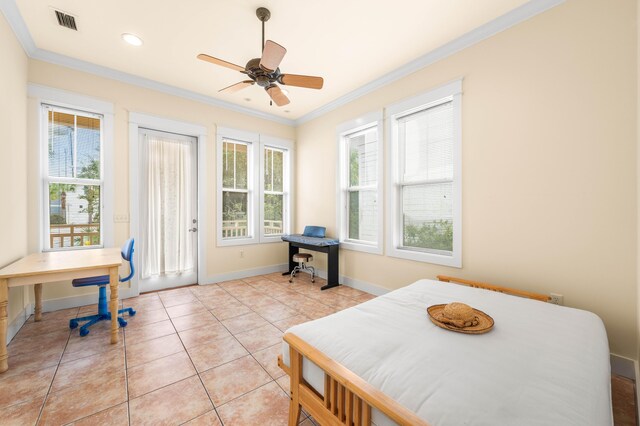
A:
(41, 268)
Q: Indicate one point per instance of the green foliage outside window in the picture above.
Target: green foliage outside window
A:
(437, 235)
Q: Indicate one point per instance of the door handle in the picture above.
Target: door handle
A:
(194, 229)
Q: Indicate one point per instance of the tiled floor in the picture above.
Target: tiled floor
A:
(197, 355)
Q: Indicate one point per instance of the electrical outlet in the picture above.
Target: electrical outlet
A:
(557, 299)
(241, 253)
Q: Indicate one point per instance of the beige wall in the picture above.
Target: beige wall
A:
(549, 163)
(13, 154)
(127, 98)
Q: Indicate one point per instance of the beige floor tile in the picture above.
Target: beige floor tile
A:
(150, 331)
(114, 416)
(171, 405)
(268, 359)
(88, 368)
(77, 402)
(260, 338)
(22, 414)
(230, 310)
(202, 335)
(244, 323)
(24, 387)
(145, 316)
(275, 312)
(143, 352)
(287, 323)
(19, 364)
(81, 347)
(177, 299)
(207, 419)
(153, 375)
(33, 329)
(285, 383)
(194, 321)
(234, 379)
(185, 309)
(44, 342)
(267, 405)
(216, 353)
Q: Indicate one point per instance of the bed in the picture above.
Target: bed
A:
(383, 362)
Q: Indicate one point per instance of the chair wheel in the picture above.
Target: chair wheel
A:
(122, 322)
(132, 313)
(313, 280)
(290, 281)
(84, 332)
(73, 324)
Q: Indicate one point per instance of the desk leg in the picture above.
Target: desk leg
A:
(37, 290)
(4, 301)
(114, 282)
(334, 267)
(292, 250)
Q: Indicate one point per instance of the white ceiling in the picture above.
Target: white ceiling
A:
(348, 42)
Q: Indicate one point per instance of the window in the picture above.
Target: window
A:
(235, 189)
(255, 206)
(73, 181)
(425, 191)
(360, 192)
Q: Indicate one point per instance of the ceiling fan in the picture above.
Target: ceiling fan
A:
(264, 71)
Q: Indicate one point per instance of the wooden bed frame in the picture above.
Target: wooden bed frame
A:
(348, 399)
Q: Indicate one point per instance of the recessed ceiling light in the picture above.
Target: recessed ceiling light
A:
(247, 99)
(287, 111)
(132, 39)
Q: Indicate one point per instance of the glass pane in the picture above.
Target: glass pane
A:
(74, 215)
(234, 165)
(273, 170)
(363, 216)
(61, 130)
(363, 162)
(427, 140)
(427, 216)
(273, 214)
(88, 147)
(234, 214)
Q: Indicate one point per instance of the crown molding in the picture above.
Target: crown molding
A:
(12, 14)
(520, 14)
(491, 28)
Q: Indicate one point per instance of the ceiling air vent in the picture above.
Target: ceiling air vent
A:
(67, 21)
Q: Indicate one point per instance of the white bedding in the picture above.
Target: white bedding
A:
(541, 364)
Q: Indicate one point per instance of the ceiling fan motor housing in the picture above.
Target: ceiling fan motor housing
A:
(262, 77)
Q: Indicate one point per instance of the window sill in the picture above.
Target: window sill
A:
(365, 248)
(454, 260)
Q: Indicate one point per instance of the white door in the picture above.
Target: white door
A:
(168, 240)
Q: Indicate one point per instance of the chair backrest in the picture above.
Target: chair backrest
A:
(127, 254)
(314, 231)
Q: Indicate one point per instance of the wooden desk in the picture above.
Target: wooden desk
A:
(40, 268)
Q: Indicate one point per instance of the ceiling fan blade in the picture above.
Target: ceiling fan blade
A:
(238, 86)
(272, 55)
(276, 94)
(220, 62)
(307, 81)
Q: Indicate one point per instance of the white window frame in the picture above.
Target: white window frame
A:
(255, 185)
(344, 130)
(287, 147)
(75, 103)
(448, 92)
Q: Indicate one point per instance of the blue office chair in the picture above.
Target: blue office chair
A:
(103, 281)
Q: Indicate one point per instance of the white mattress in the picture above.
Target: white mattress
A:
(541, 364)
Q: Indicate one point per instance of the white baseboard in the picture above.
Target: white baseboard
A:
(18, 322)
(245, 273)
(357, 284)
(622, 366)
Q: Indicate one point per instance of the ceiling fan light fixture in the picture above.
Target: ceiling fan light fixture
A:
(132, 39)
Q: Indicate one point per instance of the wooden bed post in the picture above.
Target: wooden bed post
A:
(296, 375)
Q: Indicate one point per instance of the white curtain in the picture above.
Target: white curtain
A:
(167, 204)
